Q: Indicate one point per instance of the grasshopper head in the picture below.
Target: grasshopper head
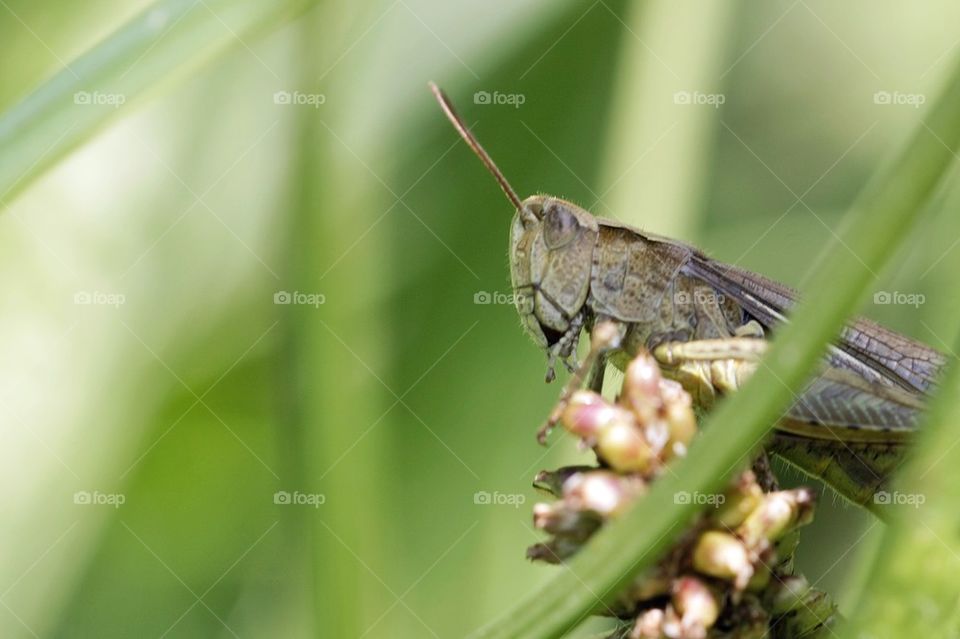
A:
(551, 249)
(551, 255)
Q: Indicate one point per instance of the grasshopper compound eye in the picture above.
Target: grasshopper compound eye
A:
(559, 227)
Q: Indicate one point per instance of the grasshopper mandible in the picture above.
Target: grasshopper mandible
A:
(705, 322)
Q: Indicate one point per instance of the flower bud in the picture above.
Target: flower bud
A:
(606, 334)
(760, 578)
(722, 555)
(551, 481)
(586, 413)
(556, 519)
(648, 625)
(810, 614)
(776, 514)
(671, 392)
(740, 502)
(806, 500)
(787, 544)
(682, 425)
(641, 387)
(671, 625)
(789, 594)
(656, 433)
(600, 491)
(554, 551)
(622, 445)
(697, 606)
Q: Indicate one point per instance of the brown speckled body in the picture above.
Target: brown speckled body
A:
(708, 321)
(570, 269)
(611, 270)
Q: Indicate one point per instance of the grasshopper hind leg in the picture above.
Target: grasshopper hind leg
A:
(711, 367)
(858, 471)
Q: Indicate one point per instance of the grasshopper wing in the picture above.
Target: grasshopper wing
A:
(874, 381)
(849, 427)
(866, 348)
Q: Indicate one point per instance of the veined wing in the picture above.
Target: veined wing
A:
(874, 382)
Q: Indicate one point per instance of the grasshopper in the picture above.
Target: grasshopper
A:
(706, 324)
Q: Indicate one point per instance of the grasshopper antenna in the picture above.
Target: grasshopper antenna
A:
(468, 137)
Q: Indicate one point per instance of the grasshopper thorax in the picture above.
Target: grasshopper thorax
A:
(551, 254)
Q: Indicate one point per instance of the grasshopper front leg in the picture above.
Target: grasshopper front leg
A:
(565, 348)
(606, 336)
(710, 366)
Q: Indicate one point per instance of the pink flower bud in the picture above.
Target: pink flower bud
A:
(586, 413)
(696, 604)
(641, 388)
(600, 491)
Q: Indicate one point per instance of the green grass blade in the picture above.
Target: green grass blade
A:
(914, 587)
(656, 164)
(67, 109)
(888, 207)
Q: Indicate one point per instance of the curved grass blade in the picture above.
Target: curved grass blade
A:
(92, 90)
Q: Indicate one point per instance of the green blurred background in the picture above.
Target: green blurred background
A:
(145, 359)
